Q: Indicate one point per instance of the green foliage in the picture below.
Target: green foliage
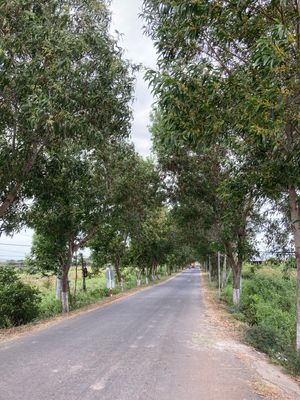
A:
(19, 303)
(227, 294)
(291, 360)
(49, 306)
(43, 257)
(264, 338)
(60, 85)
(138, 195)
(268, 306)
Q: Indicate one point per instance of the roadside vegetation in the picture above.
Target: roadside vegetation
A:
(268, 307)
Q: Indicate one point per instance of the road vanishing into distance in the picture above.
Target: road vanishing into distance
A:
(156, 344)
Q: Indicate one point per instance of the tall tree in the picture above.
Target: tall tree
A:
(62, 79)
(140, 193)
(81, 192)
(253, 48)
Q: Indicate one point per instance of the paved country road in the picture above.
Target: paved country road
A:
(153, 345)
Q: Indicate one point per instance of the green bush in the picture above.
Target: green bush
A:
(268, 305)
(128, 274)
(227, 294)
(19, 303)
(49, 306)
(291, 360)
(263, 338)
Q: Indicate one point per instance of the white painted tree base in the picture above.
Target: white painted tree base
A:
(65, 302)
(298, 336)
(236, 297)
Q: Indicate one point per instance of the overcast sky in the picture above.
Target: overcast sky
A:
(139, 49)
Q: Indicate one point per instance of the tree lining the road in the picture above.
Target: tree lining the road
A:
(227, 115)
(62, 80)
(68, 169)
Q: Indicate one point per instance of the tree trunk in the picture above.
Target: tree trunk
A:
(150, 274)
(65, 290)
(118, 272)
(219, 274)
(146, 276)
(138, 274)
(295, 220)
(65, 268)
(224, 272)
(236, 263)
(236, 292)
(154, 270)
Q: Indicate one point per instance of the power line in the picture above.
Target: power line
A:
(17, 245)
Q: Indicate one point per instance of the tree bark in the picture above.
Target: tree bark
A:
(295, 221)
(138, 274)
(118, 271)
(224, 272)
(236, 267)
(209, 268)
(154, 270)
(236, 291)
(65, 290)
(146, 276)
(65, 268)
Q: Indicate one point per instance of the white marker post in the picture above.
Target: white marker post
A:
(110, 281)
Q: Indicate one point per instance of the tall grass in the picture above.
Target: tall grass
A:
(268, 306)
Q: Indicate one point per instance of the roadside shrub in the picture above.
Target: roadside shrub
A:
(227, 294)
(104, 292)
(19, 302)
(49, 306)
(47, 284)
(8, 276)
(291, 361)
(85, 298)
(128, 274)
(268, 306)
(82, 299)
(263, 338)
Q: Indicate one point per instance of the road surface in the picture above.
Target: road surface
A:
(154, 345)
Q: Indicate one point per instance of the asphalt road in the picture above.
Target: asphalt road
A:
(150, 346)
